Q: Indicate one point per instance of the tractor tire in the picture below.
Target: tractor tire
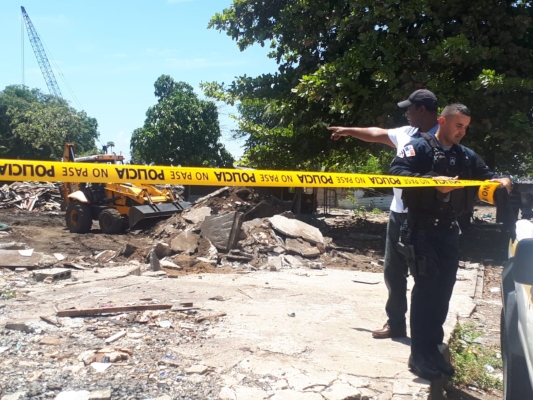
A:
(110, 221)
(78, 217)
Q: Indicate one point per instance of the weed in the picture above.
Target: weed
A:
(470, 359)
(376, 211)
(7, 294)
(360, 212)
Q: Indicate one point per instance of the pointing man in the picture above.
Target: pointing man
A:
(421, 112)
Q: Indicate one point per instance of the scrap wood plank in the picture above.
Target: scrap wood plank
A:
(206, 317)
(108, 310)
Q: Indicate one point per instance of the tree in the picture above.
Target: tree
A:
(110, 146)
(180, 129)
(34, 125)
(350, 62)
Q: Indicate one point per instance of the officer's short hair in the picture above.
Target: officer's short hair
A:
(455, 108)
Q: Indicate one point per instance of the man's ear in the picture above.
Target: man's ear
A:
(441, 121)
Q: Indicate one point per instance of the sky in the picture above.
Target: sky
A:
(106, 56)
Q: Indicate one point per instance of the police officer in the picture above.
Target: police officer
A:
(430, 235)
(421, 112)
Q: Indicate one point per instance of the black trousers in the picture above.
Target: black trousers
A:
(431, 295)
(395, 270)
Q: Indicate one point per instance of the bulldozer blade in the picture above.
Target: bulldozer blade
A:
(156, 210)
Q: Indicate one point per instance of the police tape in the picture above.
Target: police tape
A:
(16, 170)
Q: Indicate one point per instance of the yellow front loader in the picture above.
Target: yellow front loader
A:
(115, 206)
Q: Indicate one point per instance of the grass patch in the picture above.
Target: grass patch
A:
(7, 294)
(470, 359)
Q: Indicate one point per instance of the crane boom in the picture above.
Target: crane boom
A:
(40, 54)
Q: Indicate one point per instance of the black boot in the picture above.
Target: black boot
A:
(421, 365)
(436, 357)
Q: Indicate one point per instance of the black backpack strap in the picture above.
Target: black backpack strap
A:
(440, 163)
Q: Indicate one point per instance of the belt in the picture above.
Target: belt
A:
(433, 223)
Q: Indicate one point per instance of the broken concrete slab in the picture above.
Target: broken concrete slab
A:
(296, 229)
(185, 242)
(73, 395)
(223, 230)
(154, 261)
(20, 326)
(169, 264)
(197, 215)
(105, 256)
(104, 394)
(302, 248)
(292, 261)
(162, 250)
(12, 259)
(53, 273)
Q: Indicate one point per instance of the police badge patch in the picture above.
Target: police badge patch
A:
(452, 160)
(409, 151)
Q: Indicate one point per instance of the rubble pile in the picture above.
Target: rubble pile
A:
(235, 229)
(113, 355)
(131, 350)
(30, 196)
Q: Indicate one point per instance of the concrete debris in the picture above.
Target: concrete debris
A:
(185, 242)
(197, 215)
(154, 261)
(164, 263)
(223, 230)
(19, 326)
(54, 274)
(302, 248)
(104, 394)
(105, 256)
(296, 229)
(162, 250)
(31, 196)
(73, 395)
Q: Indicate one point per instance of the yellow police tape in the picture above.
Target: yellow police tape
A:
(22, 170)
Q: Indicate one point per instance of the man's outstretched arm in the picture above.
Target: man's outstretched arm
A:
(372, 135)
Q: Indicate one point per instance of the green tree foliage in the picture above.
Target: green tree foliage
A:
(350, 62)
(180, 129)
(34, 125)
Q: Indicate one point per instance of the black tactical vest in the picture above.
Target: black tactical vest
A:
(429, 202)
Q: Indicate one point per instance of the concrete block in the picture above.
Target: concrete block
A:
(54, 273)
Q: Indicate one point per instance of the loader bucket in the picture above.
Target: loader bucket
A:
(156, 210)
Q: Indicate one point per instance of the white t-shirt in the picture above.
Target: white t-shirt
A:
(400, 137)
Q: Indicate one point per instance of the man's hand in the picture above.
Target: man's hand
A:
(339, 131)
(446, 189)
(505, 182)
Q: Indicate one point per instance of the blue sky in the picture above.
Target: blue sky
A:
(111, 53)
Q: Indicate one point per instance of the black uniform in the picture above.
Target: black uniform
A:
(432, 233)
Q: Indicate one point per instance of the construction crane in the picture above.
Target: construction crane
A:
(40, 54)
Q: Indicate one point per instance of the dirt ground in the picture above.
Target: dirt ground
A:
(482, 243)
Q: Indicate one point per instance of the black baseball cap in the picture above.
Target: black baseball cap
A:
(420, 97)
